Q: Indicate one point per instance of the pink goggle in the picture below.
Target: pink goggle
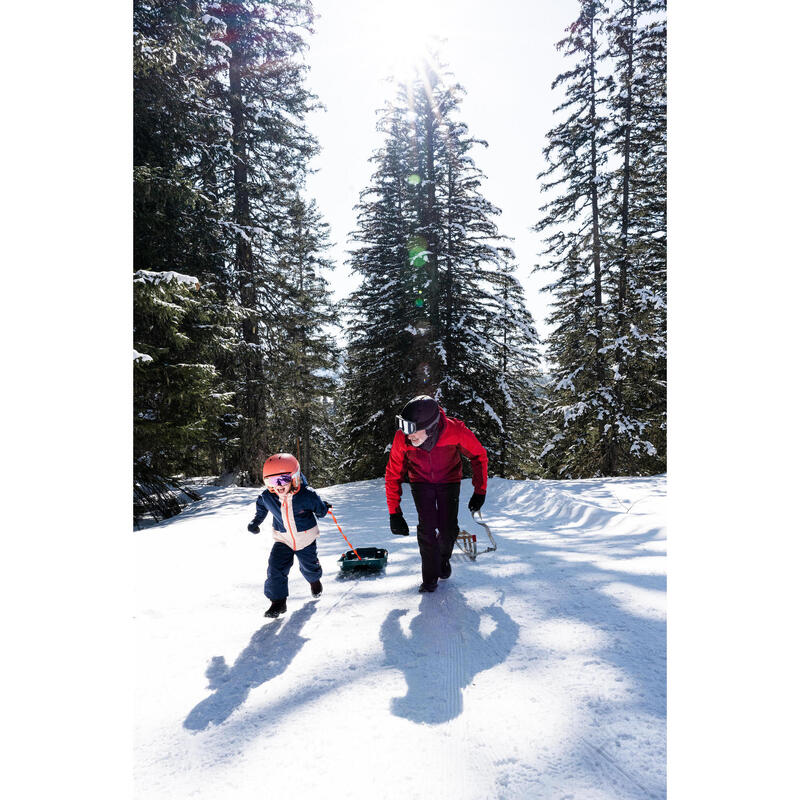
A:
(278, 480)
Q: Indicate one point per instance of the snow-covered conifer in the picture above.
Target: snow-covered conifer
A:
(606, 401)
(513, 350)
(637, 231)
(269, 147)
(580, 398)
(436, 272)
(302, 367)
(385, 312)
(181, 407)
(220, 155)
(184, 334)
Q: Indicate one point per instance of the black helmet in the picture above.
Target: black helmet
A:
(418, 414)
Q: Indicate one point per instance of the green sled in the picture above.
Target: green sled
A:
(372, 558)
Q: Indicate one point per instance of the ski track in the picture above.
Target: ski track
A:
(537, 671)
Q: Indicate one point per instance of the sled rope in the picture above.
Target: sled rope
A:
(343, 536)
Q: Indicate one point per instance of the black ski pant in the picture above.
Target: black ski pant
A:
(437, 511)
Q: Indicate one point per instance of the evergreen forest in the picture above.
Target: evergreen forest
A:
(240, 350)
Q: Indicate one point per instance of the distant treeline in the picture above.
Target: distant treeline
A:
(235, 352)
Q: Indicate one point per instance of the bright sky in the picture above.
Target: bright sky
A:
(503, 54)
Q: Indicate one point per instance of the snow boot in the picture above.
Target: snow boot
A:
(446, 571)
(278, 607)
(316, 588)
(427, 587)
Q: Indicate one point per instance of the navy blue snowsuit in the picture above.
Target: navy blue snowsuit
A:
(294, 528)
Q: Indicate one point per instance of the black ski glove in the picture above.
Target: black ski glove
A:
(398, 524)
(476, 501)
(328, 506)
(253, 528)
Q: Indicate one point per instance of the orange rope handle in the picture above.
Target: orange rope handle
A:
(343, 536)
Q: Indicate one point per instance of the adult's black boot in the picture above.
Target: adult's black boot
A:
(446, 570)
(278, 607)
(427, 587)
(316, 588)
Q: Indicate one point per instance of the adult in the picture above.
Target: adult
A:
(426, 451)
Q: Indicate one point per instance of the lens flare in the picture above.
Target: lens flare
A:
(418, 251)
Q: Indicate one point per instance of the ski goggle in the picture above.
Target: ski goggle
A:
(408, 427)
(278, 480)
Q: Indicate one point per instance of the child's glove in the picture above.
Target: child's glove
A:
(253, 528)
(398, 524)
(476, 501)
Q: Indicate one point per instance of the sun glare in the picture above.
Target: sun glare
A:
(403, 36)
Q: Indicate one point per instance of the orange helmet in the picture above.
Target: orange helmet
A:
(279, 465)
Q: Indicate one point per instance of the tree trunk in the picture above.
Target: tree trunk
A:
(448, 287)
(504, 408)
(626, 169)
(429, 223)
(253, 374)
(606, 449)
(624, 254)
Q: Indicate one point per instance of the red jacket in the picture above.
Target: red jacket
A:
(441, 465)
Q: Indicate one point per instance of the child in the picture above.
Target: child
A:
(293, 504)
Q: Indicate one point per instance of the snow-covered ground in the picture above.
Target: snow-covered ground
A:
(537, 671)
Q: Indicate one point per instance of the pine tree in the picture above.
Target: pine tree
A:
(607, 398)
(637, 46)
(304, 369)
(180, 403)
(515, 393)
(174, 217)
(385, 312)
(182, 333)
(266, 103)
(486, 337)
(221, 154)
(425, 317)
(581, 402)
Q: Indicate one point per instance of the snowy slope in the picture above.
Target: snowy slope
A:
(537, 671)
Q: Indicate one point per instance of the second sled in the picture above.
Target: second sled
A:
(468, 542)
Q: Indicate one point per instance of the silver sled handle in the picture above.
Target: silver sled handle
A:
(466, 541)
(486, 528)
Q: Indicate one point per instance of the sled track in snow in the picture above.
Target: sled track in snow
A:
(341, 599)
(594, 749)
(455, 676)
(461, 746)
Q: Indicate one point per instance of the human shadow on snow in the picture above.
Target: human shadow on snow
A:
(443, 653)
(270, 651)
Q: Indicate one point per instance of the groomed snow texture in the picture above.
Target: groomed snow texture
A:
(537, 671)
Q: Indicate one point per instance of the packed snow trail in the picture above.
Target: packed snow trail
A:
(537, 671)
